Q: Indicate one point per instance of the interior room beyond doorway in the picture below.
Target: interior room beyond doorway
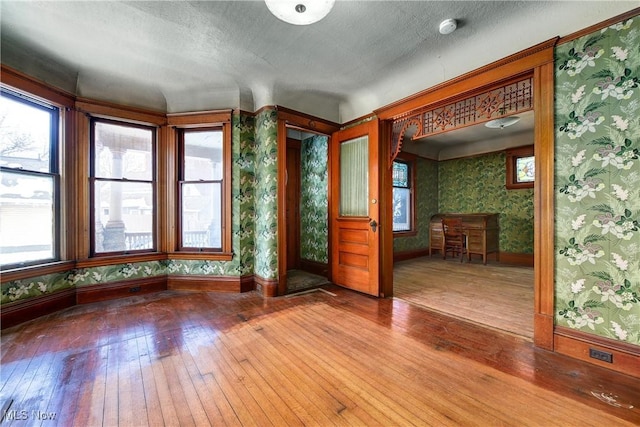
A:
(307, 210)
(464, 171)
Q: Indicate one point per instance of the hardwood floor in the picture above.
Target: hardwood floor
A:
(320, 358)
(495, 295)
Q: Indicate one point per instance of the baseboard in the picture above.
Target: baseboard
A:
(319, 268)
(405, 255)
(543, 331)
(625, 358)
(122, 289)
(525, 260)
(266, 287)
(210, 283)
(21, 311)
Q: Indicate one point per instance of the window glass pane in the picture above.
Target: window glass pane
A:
(400, 174)
(124, 216)
(202, 215)
(25, 135)
(203, 155)
(123, 152)
(27, 223)
(525, 169)
(354, 177)
(401, 209)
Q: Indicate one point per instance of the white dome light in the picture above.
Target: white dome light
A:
(300, 12)
(502, 122)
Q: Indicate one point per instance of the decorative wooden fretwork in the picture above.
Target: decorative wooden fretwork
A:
(498, 102)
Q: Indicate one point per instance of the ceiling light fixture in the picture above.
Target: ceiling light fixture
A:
(448, 26)
(300, 12)
(502, 122)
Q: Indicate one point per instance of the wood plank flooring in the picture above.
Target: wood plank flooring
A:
(315, 359)
(495, 295)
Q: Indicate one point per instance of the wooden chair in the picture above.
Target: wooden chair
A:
(453, 238)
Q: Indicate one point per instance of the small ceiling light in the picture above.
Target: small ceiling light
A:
(300, 12)
(502, 122)
(448, 26)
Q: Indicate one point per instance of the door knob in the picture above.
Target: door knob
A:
(374, 225)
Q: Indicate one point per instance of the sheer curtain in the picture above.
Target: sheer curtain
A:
(354, 177)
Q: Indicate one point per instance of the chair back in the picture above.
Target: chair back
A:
(452, 226)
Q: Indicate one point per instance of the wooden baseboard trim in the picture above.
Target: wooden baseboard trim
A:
(405, 255)
(319, 268)
(209, 283)
(21, 311)
(625, 358)
(122, 289)
(266, 287)
(247, 283)
(525, 260)
(543, 331)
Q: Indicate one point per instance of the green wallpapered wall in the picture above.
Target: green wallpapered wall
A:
(477, 184)
(472, 184)
(426, 193)
(266, 194)
(314, 199)
(597, 186)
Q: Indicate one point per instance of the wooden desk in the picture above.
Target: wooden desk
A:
(481, 229)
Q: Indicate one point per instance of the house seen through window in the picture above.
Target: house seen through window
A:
(29, 189)
(201, 189)
(123, 187)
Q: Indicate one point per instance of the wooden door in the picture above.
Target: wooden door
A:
(293, 204)
(355, 208)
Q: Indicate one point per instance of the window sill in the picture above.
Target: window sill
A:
(36, 270)
(120, 259)
(211, 256)
(409, 233)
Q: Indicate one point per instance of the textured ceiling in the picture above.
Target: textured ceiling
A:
(181, 56)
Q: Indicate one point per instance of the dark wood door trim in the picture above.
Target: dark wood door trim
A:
(539, 61)
(292, 208)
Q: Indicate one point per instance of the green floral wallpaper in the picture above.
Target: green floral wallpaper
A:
(314, 199)
(28, 288)
(266, 194)
(598, 183)
(426, 193)
(243, 212)
(477, 184)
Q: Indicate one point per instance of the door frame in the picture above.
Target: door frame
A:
(537, 61)
(368, 127)
(288, 118)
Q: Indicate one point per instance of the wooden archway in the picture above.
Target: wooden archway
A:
(536, 62)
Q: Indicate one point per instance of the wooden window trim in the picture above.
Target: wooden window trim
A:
(512, 156)
(55, 172)
(125, 256)
(209, 119)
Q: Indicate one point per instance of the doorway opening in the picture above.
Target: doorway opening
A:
(306, 210)
(462, 172)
